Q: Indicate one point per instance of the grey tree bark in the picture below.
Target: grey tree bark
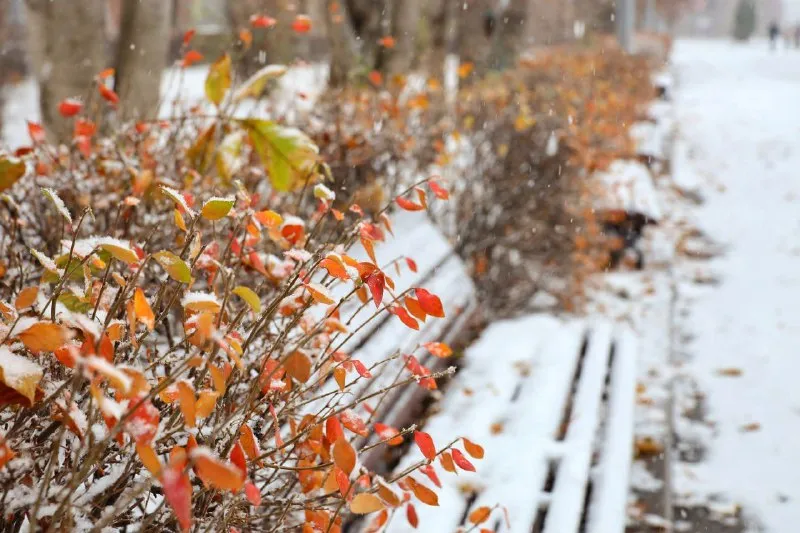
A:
(273, 45)
(141, 56)
(342, 43)
(405, 21)
(509, 34)
(67, 48)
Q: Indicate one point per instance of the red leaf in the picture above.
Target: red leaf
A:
(84, 128)
(389, 434)
(191, 57)
(342, 481)
(429, 471)
(403, 315)
(333, 429)
(36, 131)
(301, 24)
(262, 21)
(69, 107)
(439, 191)
(371, 231)
(361, 369)
(376, 283)
(462, 461)
(178, 492)
(411, 516)
(429, 302)
(353, 422)
(187, 37)
(238, 459)
(108, 94)
(376, 78)
(408, 205)
(252, 493)
(425, 444)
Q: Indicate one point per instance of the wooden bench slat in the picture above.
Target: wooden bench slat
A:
(567, 500)
(608, 506)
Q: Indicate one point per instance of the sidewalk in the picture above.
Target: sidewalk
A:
(734, 354)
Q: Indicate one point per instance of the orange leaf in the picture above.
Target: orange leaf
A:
(480, 515)
(414, 308)
(238, 459)
(6, 453)
(423, 200)
(447, 462)
(370, 249)
(144, 313)
(108, 94)
(340, 375)
(333, 429)
(366, 503)
(475, 450)
(344, 456)
(206, 401)
(425, 444)
(262, 21)
(439, 349)
(376, 78)
(191, 57)
(36, 132)
(430, 472)
(412, 265)
(216, 473)
(246, 36)
(388, 495)
(387, 41)
(26, 298)
(298, 366)
(334, 268)
(149, 458)
(249, 442)
(429, 302)
(301, 24)
(376, 282)
(423, 493)
(44, 337)
(462, 461)
(320, 294)
(439, 191)
(187, 403)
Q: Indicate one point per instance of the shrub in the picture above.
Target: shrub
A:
(175, 302)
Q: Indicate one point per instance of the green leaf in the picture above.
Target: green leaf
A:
(216, 208)
(289, 155)
(254, 86)
(174, 265)
(229, 158)
(74, 303)
(178, 198)
(11, 170)
(218, 80)
(250, 298)
(200, 152)
(118, 249)
(58, 203)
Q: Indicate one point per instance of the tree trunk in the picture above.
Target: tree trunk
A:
(509, 35)
(67, 46)
(342, 43)
(271, 46)
(475, 26)
(404, 28)
(142, 56)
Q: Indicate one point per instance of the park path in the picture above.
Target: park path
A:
(738, 110)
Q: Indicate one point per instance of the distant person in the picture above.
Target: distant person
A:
(774, 33)
(797, 36)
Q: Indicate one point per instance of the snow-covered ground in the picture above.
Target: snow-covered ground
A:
(738, 110)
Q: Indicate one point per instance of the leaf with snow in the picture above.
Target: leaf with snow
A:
(58, 203)
(118, 249)
(174, 265)
(200, 301)
(19, 378)
(289, 155)
(254, 86)
(216, 207)
(178, 198)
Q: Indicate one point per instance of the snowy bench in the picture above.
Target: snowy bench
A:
(552, 403)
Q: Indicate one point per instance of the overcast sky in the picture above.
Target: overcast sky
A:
(792, 8)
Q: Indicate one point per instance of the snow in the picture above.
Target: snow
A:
(629, 185)
(737, 106)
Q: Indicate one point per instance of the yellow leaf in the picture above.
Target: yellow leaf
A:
(340, 375)
(199, 301)
(254, 86)
(216, 208)
(11, 169)
(218, 80)
(289, 156)
(320, 294)
(174, 265)
(118, 250)
(366, 503)
(206, 401)
(250, 298)
(20, 375)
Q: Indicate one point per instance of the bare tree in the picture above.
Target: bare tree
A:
(67, 46)
(142, 56)
(508, 36)
(273, 45)
(405, 16)
(342, 42)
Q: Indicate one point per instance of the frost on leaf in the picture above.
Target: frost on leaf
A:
(58, 203)
(254, 86)
(174, 265)
(216, 208)
(19, 378)
(200, 301)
